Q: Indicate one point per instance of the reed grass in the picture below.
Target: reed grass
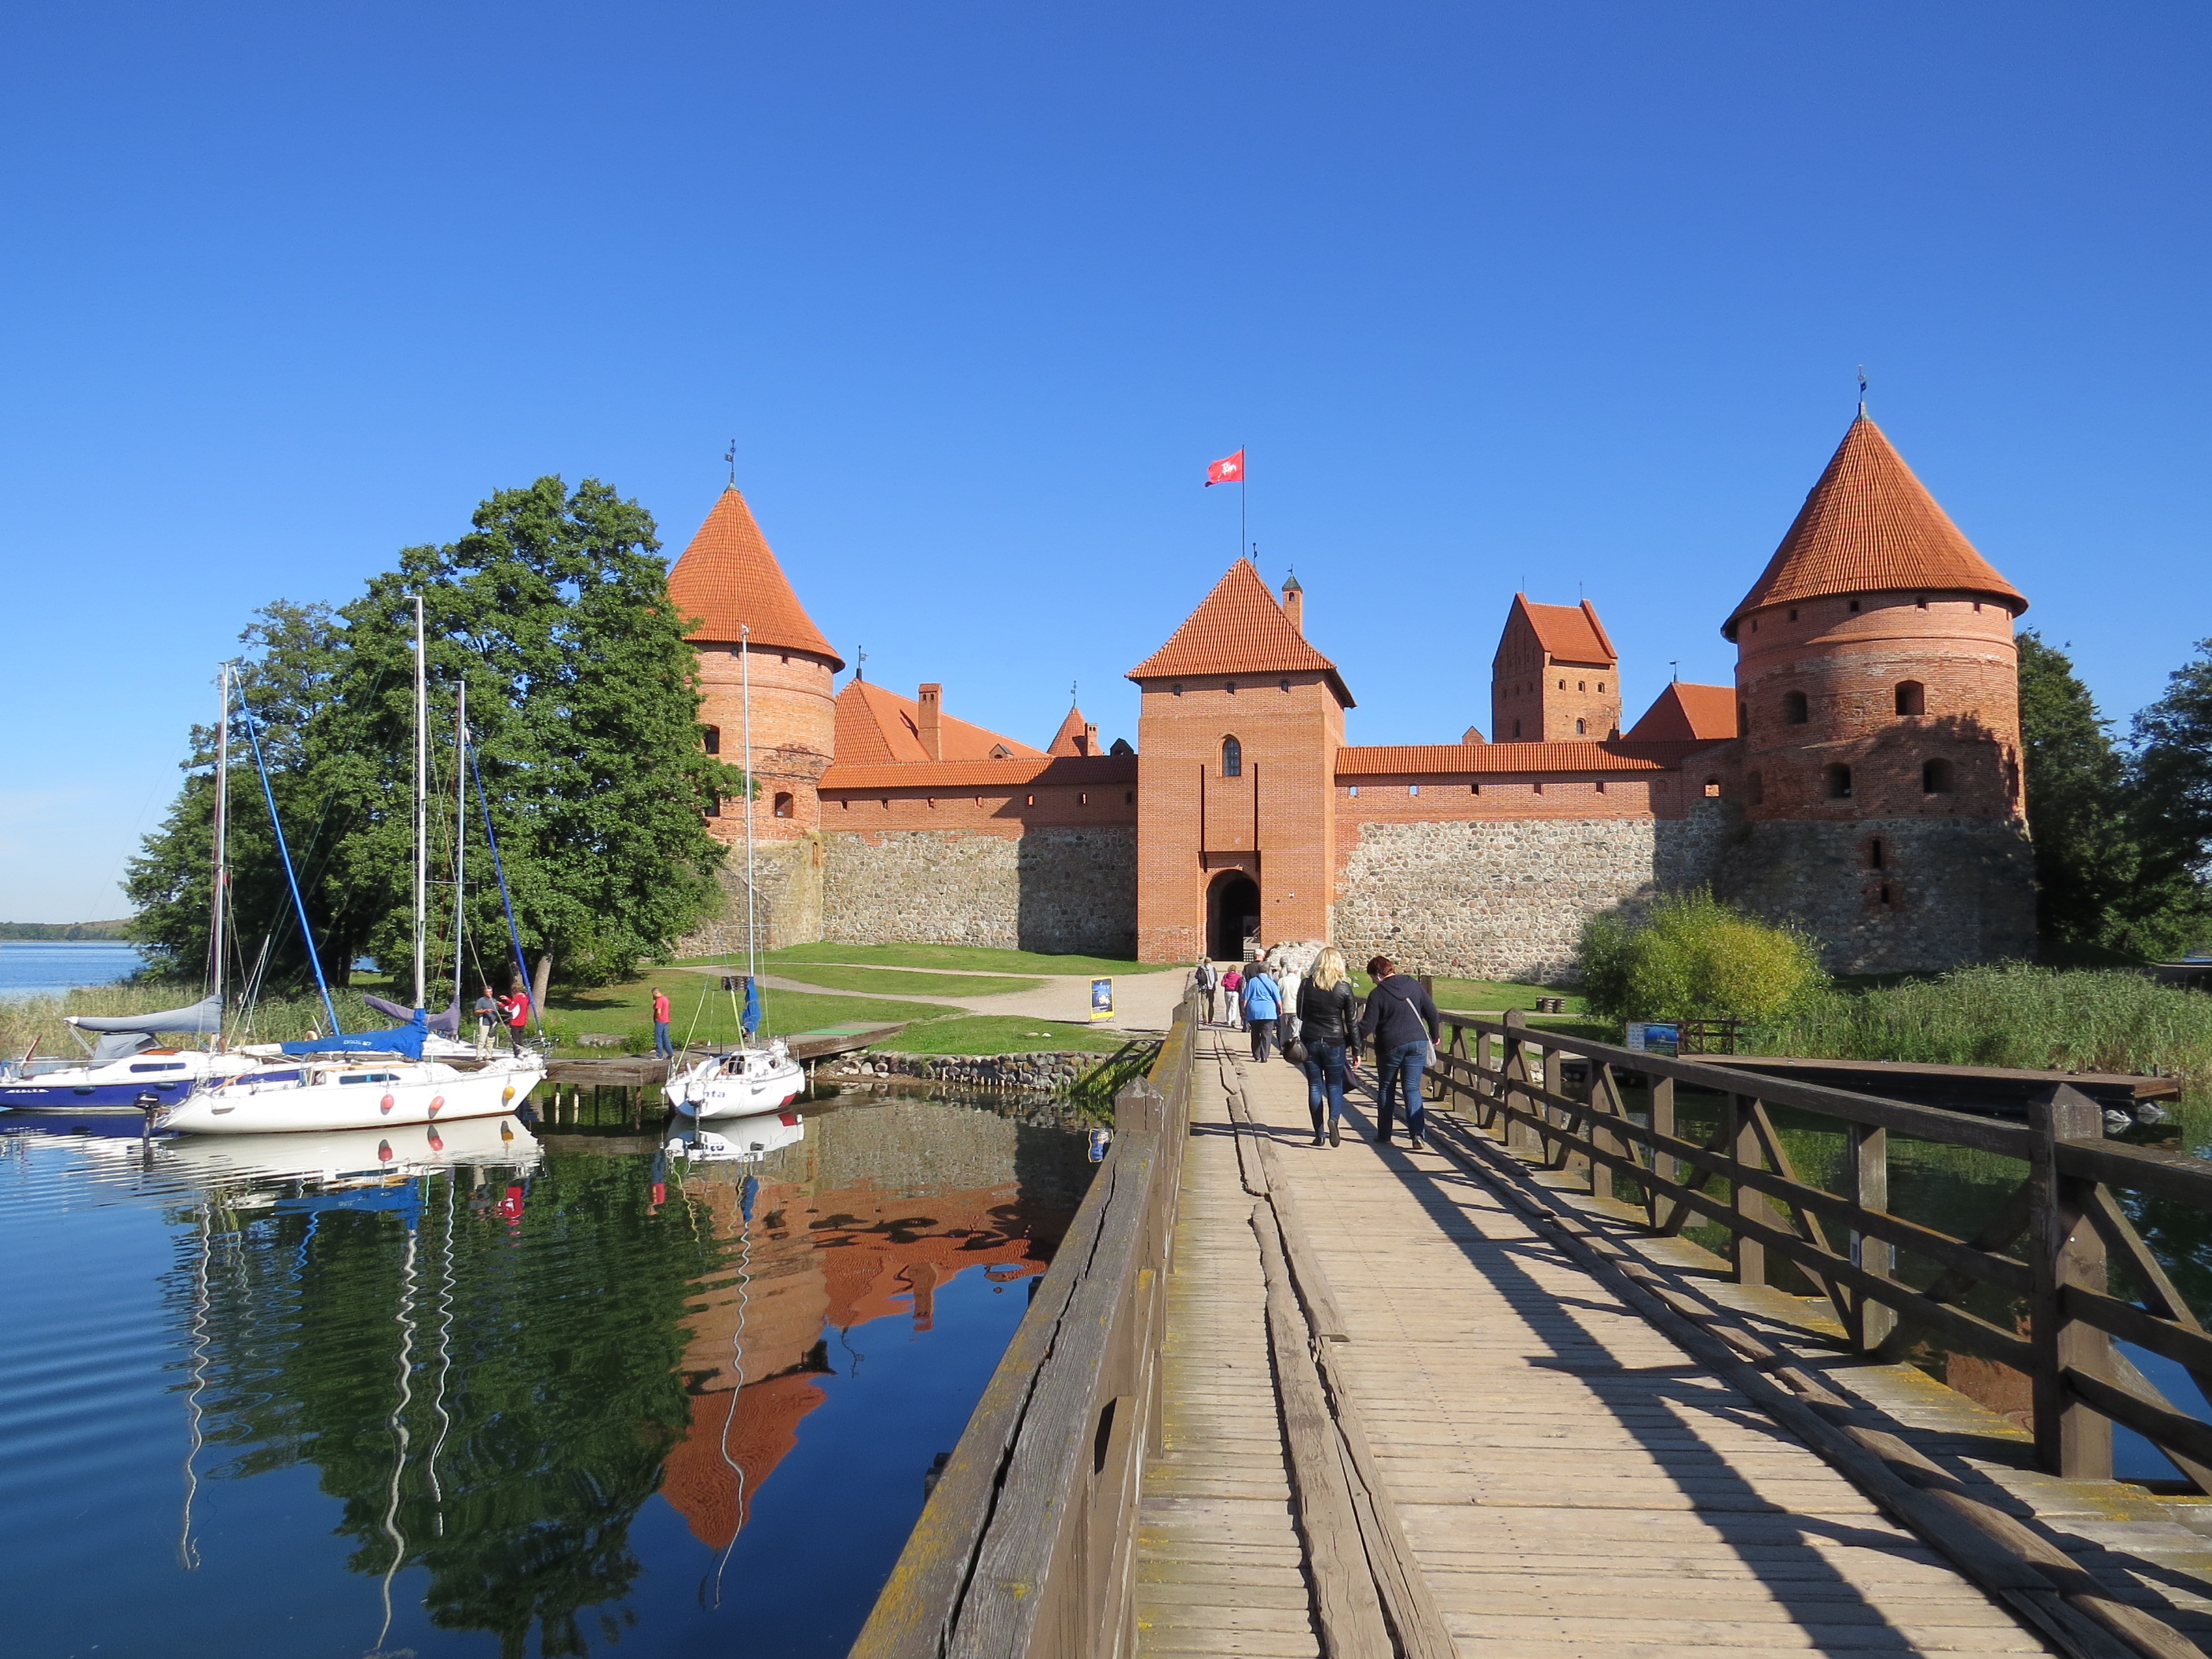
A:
(37, 1020)
(2011, 1014)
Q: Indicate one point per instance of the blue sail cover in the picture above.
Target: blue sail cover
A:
(404, 1040)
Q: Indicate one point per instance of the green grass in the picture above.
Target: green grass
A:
(976, 957)
(897, 982)
(1002, 1034)
(626, 1010)
(1473, 995)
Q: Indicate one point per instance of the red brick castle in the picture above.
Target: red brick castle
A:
(1862, 777)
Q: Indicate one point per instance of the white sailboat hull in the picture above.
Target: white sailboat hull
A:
(321, 1096)
(742, 1085)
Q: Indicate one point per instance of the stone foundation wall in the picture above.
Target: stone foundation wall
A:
(1946, 892)
(786, 899)
(1047, 1071)
(1052, 889)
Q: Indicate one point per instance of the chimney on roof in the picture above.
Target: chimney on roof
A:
(1294, 603)
(1089, 738)
(929, 719)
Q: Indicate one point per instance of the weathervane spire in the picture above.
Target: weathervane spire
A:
(1862, 386)
(731, 456)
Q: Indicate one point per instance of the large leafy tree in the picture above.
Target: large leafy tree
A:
(2171, 799)
(583, 704)
(2078, 804)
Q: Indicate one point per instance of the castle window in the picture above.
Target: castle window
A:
(1935, 777)
(933, 802)
(1535, 788)
(786, 657)
(1742, 716)
(1793, 613)
(1129, 798)
(1563, 685)
(1754, 784)
(999, 752)
(1355, 790)
(1516, 728)
(1884, 890)
(1855, 605)
(711, 740)
(1474, 789)
(1922, 601)
(1601, 685)
(1032, 800)
(1601, 785)
(783, 805)
(1581, 728)
(1712, 786)
(1232, 688)
(1877, 855)
(1413, 788)
(1911, 698)
(1838, 780)
(1082, 800)
(713, 807)
(1232, 758)
(1286, 682)
(1794, 709)
(1177, 688)
(1582, 686)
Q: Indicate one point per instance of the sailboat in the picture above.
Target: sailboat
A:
(752, 1077)
(370, 1080)
(127, 1070)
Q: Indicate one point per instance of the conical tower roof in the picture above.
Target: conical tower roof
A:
(1238, 628)
(1869, 526)
(728, 578)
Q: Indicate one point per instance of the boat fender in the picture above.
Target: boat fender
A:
(436, 1102)
(506, 1131)
(506, 1094)
(789, 1120)
(385, 1105)
(384, 1152)
(437, 1142)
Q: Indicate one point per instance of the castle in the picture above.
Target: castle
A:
(1862, 777)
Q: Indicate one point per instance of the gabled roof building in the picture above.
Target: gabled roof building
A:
(1861, 778)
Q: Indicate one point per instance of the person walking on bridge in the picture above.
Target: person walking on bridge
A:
(1401, 1020)
(1207, 981)
(1327, 1011)
(1232, 992)
(1263, 1006)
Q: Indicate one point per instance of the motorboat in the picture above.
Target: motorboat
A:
(333, 1091)
(743, 1082)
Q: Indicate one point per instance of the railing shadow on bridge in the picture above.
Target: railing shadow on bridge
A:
(1027, 1544)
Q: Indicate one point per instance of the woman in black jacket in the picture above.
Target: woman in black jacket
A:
(1328, 1012)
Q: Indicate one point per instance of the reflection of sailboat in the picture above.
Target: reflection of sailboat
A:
(748, 1145)
(346, 1154)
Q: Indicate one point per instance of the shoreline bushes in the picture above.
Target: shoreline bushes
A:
(1688, 955)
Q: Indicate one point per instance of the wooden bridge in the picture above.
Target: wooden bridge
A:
(1502, 1397)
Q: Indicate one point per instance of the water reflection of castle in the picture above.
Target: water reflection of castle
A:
(823, 1243)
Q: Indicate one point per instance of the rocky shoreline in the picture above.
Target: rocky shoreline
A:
(1047, 1071)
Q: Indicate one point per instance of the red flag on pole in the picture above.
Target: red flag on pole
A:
(1229, 468)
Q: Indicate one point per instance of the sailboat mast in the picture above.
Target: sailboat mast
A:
(745, 682)
(460, 833)
(216, 944)
(421, 814)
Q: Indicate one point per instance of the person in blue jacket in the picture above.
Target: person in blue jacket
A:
(1263, 1005)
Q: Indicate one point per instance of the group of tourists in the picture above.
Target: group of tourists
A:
(1320, 1022)
(492, 1011)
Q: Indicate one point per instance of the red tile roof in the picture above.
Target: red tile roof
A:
(954, 776)
(876, 726)
(1238, 628)
(1684, 713)
(1569, 633)
(1393, 760)
(1073, 736)
(1869, 526)
(728, 578)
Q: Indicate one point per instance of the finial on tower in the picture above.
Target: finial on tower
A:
(1862, 386)
(1071, 687)
(859, 663)
(731, 456)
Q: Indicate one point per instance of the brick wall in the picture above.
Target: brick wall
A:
(795, 728)
(1056, 888)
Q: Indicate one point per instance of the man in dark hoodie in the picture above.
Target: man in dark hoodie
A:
(1400, 1020)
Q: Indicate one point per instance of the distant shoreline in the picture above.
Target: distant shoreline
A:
(61, 933)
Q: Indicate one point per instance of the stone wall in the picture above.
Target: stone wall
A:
(1053, 889)
(1939, 893)
(787, 900)
(1506, 900)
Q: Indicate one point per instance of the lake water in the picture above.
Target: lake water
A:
(302, 1397)
(37, 967)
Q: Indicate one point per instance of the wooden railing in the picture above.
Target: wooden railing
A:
(2056, 1246)
(1026, 1547)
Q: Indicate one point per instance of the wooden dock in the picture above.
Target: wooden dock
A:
(646, 1072)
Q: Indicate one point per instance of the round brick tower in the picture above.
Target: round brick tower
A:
(1878, 772)
(748, 621)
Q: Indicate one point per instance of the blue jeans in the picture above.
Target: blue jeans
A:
(661, 1045)
(1400, 1072)
(1324, 1070)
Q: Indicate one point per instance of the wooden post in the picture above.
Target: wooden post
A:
(2071, 1439)
(1665, 1165)
(1866, 1182)
(1742, 1144)
(1570, 1158)
(1605, 1096)
(1485, 1053)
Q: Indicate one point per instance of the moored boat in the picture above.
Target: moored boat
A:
(352, 1092)
(742, 1083)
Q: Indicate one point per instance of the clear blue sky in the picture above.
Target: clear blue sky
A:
(1563, 295)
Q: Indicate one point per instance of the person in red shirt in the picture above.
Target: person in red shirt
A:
(662, 1045)
(516, 1005)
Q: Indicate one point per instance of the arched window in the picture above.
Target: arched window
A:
(1935, 777)
(1754, 784)
(1838, 780)
(1911, 698)
(1581, 728)
(712, 739)
(1232, 758)
(783, 804)
(1794, 709)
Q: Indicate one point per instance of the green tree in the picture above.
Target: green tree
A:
(2172, 779)
(2078, 802)
(583, 704)
(1688, 955)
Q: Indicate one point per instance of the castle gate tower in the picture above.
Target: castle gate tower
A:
(1879, 770)
(1236, 747)
(1556, 676)
(729, 584)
